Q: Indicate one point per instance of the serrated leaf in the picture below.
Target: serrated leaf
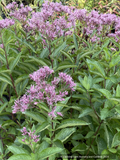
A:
(85, 112)
(72, 122)
(15, 62)
(101, 144)
(42, 127)
(105, 92)
(80, 147)
(116, 140)
(59, 143)
(64, 134)
(49, 152)
(114, 61)
(86, 82)
(17, 149)
(36, 116)
(20, 157)
(105, 112)
(42, 146)
(97, 66)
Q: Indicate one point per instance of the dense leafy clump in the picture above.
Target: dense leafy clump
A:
(59, 83)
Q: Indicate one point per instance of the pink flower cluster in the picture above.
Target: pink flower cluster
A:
(47, 23)
(51, 26)
(20, 14)
(5, 23)
(30, 134)
(44, 90)
(95, 21)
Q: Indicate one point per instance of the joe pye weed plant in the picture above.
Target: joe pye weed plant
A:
(42, 100)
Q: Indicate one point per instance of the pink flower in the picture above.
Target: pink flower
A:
(60, 114)
(29, 134)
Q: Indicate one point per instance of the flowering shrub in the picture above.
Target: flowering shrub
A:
(59, 83)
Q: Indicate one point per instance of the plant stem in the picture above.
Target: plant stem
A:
(93, 106)
(94, 138)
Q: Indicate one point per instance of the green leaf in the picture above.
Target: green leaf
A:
(20, 157)
(57, 51)
(101, 144)
(36, 116)
(5, 79)
(44, 53)
(114, 61)
(29, 45)
(64, 134)
(42, 127)
(23, 32)
(112, 150)
(85, 54)
(17, 149)
(86, 82)
(21, 78)
(8, 123)
(118, 91)
(37, 41)
(42, 146)
(104, 113)
(2, 58)
(65, 66)
(3, 107)
(1, 147)
(97, 66)
(105, 92)
(15, 62)
(38, 60)
(67, 55)
(108, 135)
(115, 100)
(72, 122)
(89, 134)
(43, 106)
(58, 143)
(116, 140)
(85, 112)
(75, 42)
(80, 147)
(80, 96)
(49, 152)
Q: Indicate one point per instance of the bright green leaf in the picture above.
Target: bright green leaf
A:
(72, 122)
